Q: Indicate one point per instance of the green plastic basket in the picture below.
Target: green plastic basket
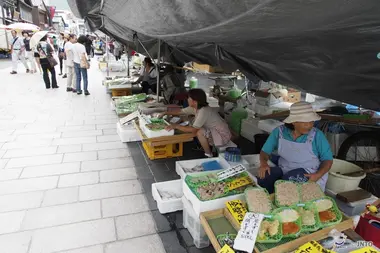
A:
(335, 209)
(272, 239)
(319, 188)
(298, 221)
(310, 228)
(275, 193)
(258, 189)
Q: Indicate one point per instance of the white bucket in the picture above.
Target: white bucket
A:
(340, 183)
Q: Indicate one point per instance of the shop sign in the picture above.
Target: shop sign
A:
(226, 249)
(237, 209)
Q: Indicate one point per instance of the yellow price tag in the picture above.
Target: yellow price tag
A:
(237, 209)
(312, 247)
(239, 182)
(365, 250)
(226, 249)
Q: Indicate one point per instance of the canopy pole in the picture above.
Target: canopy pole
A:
(108, 57)
(146, 51)
(158, 69)
(128, 60)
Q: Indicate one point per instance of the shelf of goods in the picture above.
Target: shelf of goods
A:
(164, 146)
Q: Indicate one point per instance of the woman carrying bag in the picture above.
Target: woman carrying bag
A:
(81, 65)
(47, 61)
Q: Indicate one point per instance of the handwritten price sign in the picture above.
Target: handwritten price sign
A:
(312, 247)
(239, 182)
(226, 249)
(237, 209)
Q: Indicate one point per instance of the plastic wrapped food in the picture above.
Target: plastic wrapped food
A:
(289, 215)
(308, 217)
(323, 205)
(310, 191)
(258, 200)
(268, 229)
(290, 228)
(327, 216)
(286, 193)
(328, 212)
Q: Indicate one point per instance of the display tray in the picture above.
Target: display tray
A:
(285, 245)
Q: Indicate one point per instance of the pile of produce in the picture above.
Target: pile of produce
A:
(207, 187)
(286, 193)
(128, 104)
(156, 124)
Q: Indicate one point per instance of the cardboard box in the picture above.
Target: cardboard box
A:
(293, 97)
(266, 98)
(207, 68)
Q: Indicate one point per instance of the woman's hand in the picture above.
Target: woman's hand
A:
(314, 177)
(171, 127)
(264, 167)
(162, 114)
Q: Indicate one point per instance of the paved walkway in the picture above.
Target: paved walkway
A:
(67, 183)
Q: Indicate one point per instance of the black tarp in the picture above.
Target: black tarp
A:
(324, 47)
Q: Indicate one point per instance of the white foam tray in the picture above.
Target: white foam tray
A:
(153, 134)
(171, 205)
(188, 164)
(127, 133)
(205, 206)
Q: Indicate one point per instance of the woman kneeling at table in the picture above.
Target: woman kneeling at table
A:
(304, 152)
(208, 126)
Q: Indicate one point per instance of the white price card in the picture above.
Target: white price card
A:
(246, 238)
(231, 172)
(129, 117)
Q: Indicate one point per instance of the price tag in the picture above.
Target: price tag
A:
(239, 182)
(237, 209)
(231, 172)
(129, 117)
(226, 249)
(365, 250)
(312, 247)
(246, 237)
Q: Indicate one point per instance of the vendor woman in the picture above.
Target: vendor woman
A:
(304, 152)
(208, 126)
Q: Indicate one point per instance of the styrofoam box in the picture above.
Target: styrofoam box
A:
(171, 205)
(192, 222)
(153, 134)
(268, 125)
(209, 205)
(249, 128)
(353, 208)
(113, 107)
(127, 133)
(188, 164)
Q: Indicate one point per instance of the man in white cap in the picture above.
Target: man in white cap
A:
(304, 152)
(18, 52)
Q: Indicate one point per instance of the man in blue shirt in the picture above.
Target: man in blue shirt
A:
(304, 152)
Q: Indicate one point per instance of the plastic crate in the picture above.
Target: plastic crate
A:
(121, 92)
(163, 151)
(173, 187)
(192, 222)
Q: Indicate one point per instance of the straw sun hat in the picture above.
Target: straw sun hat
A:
(302, 112)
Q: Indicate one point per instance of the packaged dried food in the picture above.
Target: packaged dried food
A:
(290, 228)
(323, 204)
(310, 191)
(290, 220)
(286, 193)
(309, 217)
(258, 200)
(270, 230)
(328, 212)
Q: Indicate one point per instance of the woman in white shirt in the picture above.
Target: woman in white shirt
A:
(81, 65)
(61, 54)
(148, 76)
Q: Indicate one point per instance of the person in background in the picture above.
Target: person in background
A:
(117, 50)
(69, 51)
(61, 54)
(18, 52)
(148, 77)
(55, 43)
(208, 126)
(44, 50)
(88, 46)
(304, 152)
(28, 52)
(81, 65)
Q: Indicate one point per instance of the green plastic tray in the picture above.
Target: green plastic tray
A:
(275, 193)
(258, 189)
(337, 212)
(308, 228)
(298, 221)
(277, 237)
(300, 188)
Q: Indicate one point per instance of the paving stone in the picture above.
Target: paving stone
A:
(101, 122)
(91, 249)
(117, 175)
(194, 249)
(147, 187)
(103, 146)
(76, 128)
(144, 172)
(108, 138)
(82, 133)
(106, 126)
(162, 173)
(10, 174)
(31, 137)
(16, 242)
(162, 221)
(107, 164)
(109, 131)
(30, 152)
(144, 244)
(3, 162)
(50, 170)
(27, 144)
(124, 205)
(80, 156)
(73, 236)
(107, 190)
(113, 153)
(2, 152)
(62, 214)
(34, 160)
(71, 141)
(11, 222)
(60, 196)
(171, 242)
(77, 179)
(69, 148)
(22, 201)
(135, 225)
(28, 185)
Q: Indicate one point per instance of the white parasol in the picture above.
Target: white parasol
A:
(37, 37)
(23, 26)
